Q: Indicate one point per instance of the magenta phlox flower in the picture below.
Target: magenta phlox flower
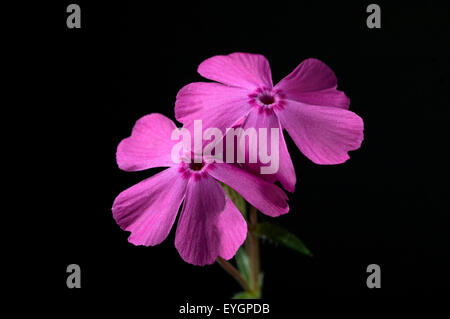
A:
(209, 225)
(306, 104)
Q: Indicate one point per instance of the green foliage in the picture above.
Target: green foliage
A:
(244, 295)
(280, 235)
(237, 199)
(243, 264)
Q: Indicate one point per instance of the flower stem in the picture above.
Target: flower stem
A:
(229, 268)
(253, 251)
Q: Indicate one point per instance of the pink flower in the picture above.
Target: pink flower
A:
(306, 103)
(209, 225)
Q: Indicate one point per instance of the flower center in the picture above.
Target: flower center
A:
(266, 99)
(196, 166)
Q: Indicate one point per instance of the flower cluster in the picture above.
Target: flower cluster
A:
(306, 103)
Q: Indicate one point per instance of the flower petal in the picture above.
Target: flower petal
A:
(313, 82)
(198, 236)
(310, 75)
(148, 209)
(217, 105)
(325, 97)
(148, 146)
(286, 173)
(323, 134)
(265, 196)
(232, 229)
(243, 70)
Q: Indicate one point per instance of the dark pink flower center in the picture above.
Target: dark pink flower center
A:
(196, 166)
(267, 99)
(194, 170)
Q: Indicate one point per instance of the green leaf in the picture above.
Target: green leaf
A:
(261, 279)
(244, 295)
(237, 199)
(243, 264)
(280, 235)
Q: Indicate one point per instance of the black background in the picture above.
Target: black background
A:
(387, 205)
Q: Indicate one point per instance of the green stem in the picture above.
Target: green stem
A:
(229, 268)
(253, 251)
